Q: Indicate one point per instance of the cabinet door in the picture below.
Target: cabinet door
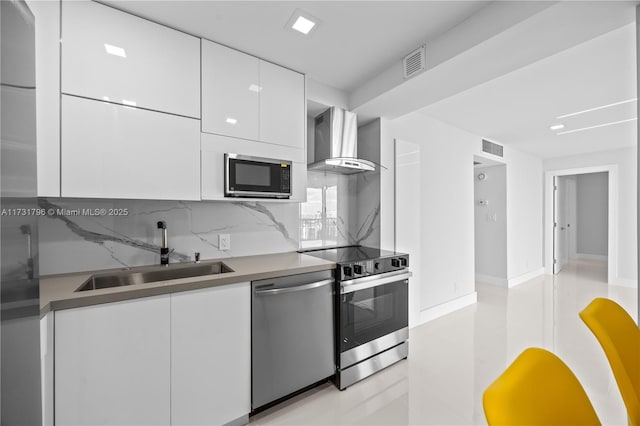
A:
(230, 92)
(112, 363)
(282, 106)
(112, 55)
(113, 151)
(211, 355)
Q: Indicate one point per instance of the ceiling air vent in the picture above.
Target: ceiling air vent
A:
(492, 148)
(414, 62)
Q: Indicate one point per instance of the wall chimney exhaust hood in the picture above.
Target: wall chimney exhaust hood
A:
(336, 144)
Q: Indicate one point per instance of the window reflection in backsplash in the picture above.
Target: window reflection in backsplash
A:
(340, 210)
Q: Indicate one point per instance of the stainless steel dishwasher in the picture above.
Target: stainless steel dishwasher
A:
(292, 334)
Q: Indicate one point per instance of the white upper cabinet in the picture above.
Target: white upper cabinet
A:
(230, 92)
(114, 56)
(115, 151)
(246, 97)
(282, 106)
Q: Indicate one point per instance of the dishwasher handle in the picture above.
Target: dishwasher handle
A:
(283, 290)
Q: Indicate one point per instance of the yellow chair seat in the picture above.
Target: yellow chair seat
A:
(538, 389)
(619, 337)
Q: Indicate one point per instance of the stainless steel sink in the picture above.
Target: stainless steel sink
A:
(152, 274)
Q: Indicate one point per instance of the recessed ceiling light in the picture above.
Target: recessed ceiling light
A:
(115, 50)
(303, 25)
(130, 103)
(596, 108)
(255, 88)
(106, 98)
(598, 125)
(557, 127)
(302, 22)
(231, 120)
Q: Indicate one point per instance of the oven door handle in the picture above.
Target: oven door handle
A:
(282, 290)
(373, 281)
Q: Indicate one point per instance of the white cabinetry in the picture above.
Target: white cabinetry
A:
(211, 355)
(282, 106)
(177, 359)
(245, 97)
(231, 92)
(214, 147)
(112, 363)
(114, 56)
(114, 151)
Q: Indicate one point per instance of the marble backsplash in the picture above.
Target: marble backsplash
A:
(90, 234)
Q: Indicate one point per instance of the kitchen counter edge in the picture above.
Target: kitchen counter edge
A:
(58, 292)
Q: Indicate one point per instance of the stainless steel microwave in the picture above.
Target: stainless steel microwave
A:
(247, 176)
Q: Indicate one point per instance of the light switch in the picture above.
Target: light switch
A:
(224, 242)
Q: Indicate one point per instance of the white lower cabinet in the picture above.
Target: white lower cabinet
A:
(112, 363)
(176, 359)
(211, 355)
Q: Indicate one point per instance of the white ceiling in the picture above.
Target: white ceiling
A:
(359, 40)
(355, 41)
(518, 108)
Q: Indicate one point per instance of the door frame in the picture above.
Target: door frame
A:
(612, 241)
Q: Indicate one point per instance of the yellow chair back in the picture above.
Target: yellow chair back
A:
(619, 337)
(538, 389)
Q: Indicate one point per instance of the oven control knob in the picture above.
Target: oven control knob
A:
(347, 271)
(403, 261)
(376, 265)
(395, 263)
(357, 269)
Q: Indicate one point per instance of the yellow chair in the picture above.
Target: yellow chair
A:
(538, 389)
(619, 337)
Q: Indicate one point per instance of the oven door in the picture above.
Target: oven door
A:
(374, 315)
(247, 176)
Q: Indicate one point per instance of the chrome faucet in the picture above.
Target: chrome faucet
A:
(164, 248)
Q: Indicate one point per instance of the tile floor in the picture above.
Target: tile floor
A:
(452, 359)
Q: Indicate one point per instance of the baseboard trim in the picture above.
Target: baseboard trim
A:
(586, 256)
(445, 308)
(525, 277)
(493, 280)
(626, 282)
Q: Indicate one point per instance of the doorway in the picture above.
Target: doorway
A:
(581, 217)
(490, 222)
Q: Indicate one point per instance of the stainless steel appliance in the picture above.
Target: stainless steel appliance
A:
(246, 176)
(292, 335)
(336, 143)
(372, 310)
(19, 283)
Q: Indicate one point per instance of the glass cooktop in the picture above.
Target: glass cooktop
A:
(349, 254)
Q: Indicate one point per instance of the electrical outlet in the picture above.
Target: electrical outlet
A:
(224, 242)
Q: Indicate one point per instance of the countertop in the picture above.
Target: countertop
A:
(58, 291)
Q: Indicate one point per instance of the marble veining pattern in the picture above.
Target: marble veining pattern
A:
(73, 241)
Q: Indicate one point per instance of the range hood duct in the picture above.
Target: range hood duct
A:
(336, 143)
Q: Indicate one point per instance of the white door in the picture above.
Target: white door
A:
(408, 217)
(560, 236)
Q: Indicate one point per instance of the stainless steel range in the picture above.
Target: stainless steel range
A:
(371, 310)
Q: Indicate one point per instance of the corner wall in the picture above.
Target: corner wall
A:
(445, 191)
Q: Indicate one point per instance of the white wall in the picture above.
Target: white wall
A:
(446, 192)
(491, 225)
(592, 202)
(524, 215)
(626, 161)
